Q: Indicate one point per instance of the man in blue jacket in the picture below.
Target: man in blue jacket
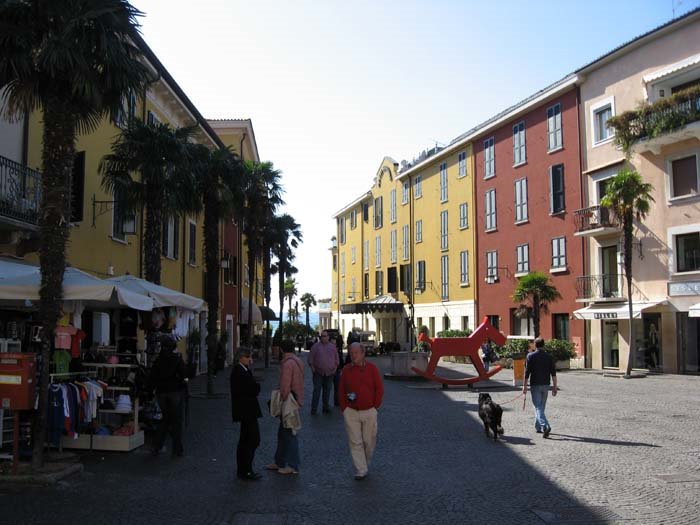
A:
(246, 410)
(539, 367)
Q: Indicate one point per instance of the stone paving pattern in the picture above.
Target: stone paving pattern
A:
(610, 439)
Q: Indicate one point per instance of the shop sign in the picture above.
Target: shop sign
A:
(605, 315)
(10, 380)
(684, 288)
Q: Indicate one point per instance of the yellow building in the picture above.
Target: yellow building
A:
(403, 252)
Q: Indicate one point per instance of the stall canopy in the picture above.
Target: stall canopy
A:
(381, 304)
(160, 295)
(257, 314)
(694, 311)
(614, 311)
(18, 286)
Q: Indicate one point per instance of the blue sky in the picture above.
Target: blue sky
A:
(333, 86)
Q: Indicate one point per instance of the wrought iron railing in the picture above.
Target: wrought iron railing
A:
(593, 217)
(606, 286)
(20, 191)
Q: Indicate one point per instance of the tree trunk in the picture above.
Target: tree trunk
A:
(211, 259)
(307, 317)
(627, 229)
(153, 234)
(251, 276)
(281, 272)
(54, 217)
(536, 315)
(266, 284)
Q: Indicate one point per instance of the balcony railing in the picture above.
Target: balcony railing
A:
(592, 218)
(606, 286)
(20, 189)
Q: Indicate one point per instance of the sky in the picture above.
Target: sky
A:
(334, 86)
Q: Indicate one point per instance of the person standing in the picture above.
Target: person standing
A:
(323, 361)
(246, 410)
(539, 367)
(168, 378)
(360, 393)
(291, 384)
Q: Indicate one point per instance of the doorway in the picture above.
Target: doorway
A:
(688, 343)
(611, 345)
(609, 270)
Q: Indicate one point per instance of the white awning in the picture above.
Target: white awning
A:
(16, 288)
(613, 311)
(673, 68)
(243, 317)
(694, 311)
(161, 295)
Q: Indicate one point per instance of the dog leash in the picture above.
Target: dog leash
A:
(514, 399)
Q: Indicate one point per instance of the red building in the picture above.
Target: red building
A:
(528, 185)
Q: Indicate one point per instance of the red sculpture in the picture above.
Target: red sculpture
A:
(463, 346)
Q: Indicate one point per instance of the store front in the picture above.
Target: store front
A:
(689, 340)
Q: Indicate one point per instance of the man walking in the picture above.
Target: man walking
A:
(246, 410)
(539, 367)
(291, 384)
(323, 360)
(360, 394)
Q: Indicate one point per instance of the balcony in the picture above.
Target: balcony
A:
(19, 196)
(659, 124)
(601, 288)
(594, 221)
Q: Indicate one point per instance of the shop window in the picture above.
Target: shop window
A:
(560, 324)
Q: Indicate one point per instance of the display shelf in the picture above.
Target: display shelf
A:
(99, 442)
(120, 388)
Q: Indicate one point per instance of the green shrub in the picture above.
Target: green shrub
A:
(560, 349)
(512, 348)
(454, 333)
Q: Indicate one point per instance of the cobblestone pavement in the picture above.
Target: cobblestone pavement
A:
(621, 451)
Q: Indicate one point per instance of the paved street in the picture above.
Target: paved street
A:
(612, 445)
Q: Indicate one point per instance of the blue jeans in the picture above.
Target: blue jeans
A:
(324, 383)
(539, 400)
(287, 453)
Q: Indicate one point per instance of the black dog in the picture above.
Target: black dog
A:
(490, 413)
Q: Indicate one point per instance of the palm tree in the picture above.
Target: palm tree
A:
(535, 290)
(219, 190)
(160, 155)
(287, 236)
(629, 198)
(290, 292)
(75, 61)
(308, 300)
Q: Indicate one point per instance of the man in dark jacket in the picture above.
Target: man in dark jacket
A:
(168, 379)
(246, 410)
(539, 367)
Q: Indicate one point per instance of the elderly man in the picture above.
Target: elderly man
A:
(323, 360)
(246, 410)
(360, 394)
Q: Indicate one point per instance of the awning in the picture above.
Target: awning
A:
(18, 288)
(381, 304)
(243, 317)
(267, 313)
(614, 311)
(694, 311)
(161, 295)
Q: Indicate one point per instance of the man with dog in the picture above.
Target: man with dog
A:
(360, 393)
(539, 367)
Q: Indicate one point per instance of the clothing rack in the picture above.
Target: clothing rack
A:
(69, 375)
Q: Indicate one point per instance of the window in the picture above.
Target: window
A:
(335, 263)
(443, 230)
(342, 264)
(247, 274)
(554, 138)
(445, 322)
(378, 251)
(462, 163)
(353, 289)
(444, 278)
(342, 291)
(378, 282)
(463, 216)
(688, 252)
(600, 123)
(127, 110)
(494, 321)
(353, 219)
(560, 323)
(405, 278)
(521, 321)
(489, 158)
(405, 241)
(419, 322)
(77, 193)
(420, 276)
(684, 176)
(404, 192)
(365, 212)
(464, 267)
(365, 287)
(392, 207)
(557, 196)
(151, 119)
(393, 239)
(559, 252)
(522, 254)
(465, 322)
(443, 182)
(392, 280)
(519, 152)
(419, 230)
(378, 219)
(490, 209)
(431, 326)
(192, 259)
(492, 266)
(352, 255)
(521, 200)
(171, 237)
(341, 229)
(418, 187)
(119, 218)
(365, 256)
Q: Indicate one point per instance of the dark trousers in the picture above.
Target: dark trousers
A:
(336, 382)
(321, 383)
(171, 405)
(248, 441)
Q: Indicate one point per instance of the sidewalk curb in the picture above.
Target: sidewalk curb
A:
(41, 479)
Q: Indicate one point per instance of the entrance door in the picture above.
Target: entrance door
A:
(689, 342)
(611, 345)
(609, 266)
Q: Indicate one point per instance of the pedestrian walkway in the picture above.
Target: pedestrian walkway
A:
(622, 451)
